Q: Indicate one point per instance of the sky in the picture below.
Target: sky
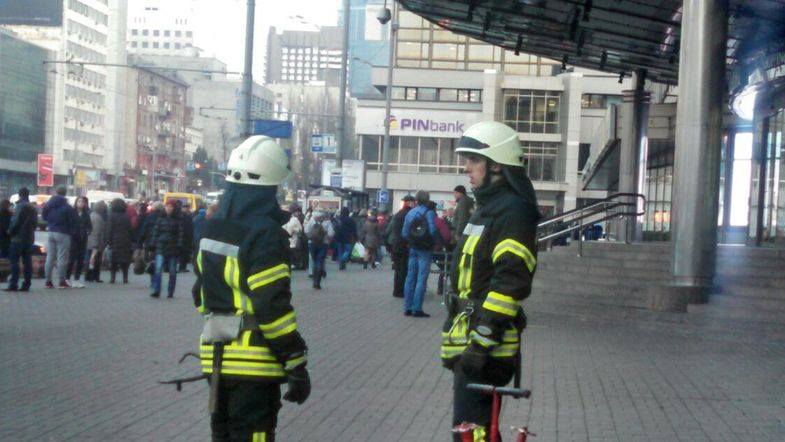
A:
(220, 26)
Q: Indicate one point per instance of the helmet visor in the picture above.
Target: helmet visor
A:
(471, 143)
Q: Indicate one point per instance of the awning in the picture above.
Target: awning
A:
(617, 36)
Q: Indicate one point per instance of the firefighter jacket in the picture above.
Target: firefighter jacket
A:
(242, 265)
(495, 260)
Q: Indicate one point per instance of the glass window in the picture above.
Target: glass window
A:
(178, 33)
(370, 148)
(441, 35)
(166, 45)
(447, 156)
(145, 44)
(408, 156)
(167, 33)
(483, 52)
(411, 93)
(429, 154)
(407, 19)
(412, 35)
(177, 45)
(134, 44)
(408, 50)
(189, 34)
(537, 111)
(145, 32)
(593, 101)
(445, 51)
(448, 94)
(475, 95)
(426, 94)
(156, 33)
(447, 64)
(134, 32)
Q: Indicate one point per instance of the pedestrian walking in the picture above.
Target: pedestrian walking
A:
(81, 230)
(187, 224)
(496, 259)
(320, 233)
(96, 242)
(5, 224)
(294, 229)
(60, 222)
(441, 246)
(22, 234)
(371, 239)
(345, 236)
(419, 230)
(120, 239)
(167, 241)
(261, 347)
(399, 248)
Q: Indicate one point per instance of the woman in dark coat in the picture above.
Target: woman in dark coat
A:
(372, 239)
(120, 240)
(81, 231)
(168, 242)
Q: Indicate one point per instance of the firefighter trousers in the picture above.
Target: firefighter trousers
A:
(470, 406)
(246, 411)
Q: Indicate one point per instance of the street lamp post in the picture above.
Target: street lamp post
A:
(342, 93)
(388, 104)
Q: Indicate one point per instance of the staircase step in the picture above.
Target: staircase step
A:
(768, 304)
(605, 267)
(751, 314)
(774, 282)
(631, 298)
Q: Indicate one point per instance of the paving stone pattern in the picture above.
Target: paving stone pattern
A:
(83, 365)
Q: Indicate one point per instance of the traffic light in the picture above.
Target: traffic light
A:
(198, 166)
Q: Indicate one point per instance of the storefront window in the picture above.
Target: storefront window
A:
(540, 159)
(408, 155)
(371, 151)
(447, 155)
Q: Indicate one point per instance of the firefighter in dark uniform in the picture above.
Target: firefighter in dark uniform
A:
(495, 260)
(250, 343)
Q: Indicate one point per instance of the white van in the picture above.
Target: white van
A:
(93, 196)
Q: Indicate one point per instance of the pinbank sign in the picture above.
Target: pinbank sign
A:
(416, 122)
(425, 125)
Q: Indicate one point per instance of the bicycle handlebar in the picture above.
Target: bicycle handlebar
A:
(504, 391)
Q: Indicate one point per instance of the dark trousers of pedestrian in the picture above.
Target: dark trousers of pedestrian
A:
(93, 272)
(344, 254)
(171, 264)
(246, 411)
(470, 406)
(76, 258)
(441, 260)
(401, 266)
(184, 259)
(119, 266)
(20, 251)
(319, 255)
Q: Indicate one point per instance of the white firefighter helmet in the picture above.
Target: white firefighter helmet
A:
(258, 161)
(493, 140)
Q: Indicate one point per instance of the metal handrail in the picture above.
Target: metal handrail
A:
(604, 206)
(604, 201)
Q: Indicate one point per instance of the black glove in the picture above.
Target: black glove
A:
(196, 294)
(299, 386)
(473, 361)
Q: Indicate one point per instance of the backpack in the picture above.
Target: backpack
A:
(317, 233)
(419, 235)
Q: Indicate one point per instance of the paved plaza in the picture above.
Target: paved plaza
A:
(83, 365)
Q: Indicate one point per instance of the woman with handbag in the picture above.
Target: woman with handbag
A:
(96, 242)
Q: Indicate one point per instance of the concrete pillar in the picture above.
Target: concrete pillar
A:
(570, 122)
(492, 99)
(696, 171)
(634, 152)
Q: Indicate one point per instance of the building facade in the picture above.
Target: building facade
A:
(84, 97)
(161, 27)
(303, 56)
(368, 45)
(157, 118)
(443, 83)
(23, 111)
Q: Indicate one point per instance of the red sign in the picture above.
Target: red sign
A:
(46, 173)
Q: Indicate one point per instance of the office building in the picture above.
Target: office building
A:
(161, 27)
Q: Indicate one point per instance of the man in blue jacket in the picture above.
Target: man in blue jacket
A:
(22, 233)
(60, 220)
(419, 230)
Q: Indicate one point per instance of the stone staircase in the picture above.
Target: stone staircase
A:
(611, 282)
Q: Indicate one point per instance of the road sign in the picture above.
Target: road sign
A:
(273, 128)
(323, 143)
(46, 173)
(384, 196)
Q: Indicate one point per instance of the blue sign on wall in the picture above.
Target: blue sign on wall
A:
(273, 128)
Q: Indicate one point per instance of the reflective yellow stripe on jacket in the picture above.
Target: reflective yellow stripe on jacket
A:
(466, 262)
(512, 246)
(240, 358)
(506, 305)
(268, 276)
(454, 342)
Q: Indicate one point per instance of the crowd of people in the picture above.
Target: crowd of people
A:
(414, 238)
(83, 239)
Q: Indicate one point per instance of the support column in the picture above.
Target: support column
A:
(634, 152)
(696, 170)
